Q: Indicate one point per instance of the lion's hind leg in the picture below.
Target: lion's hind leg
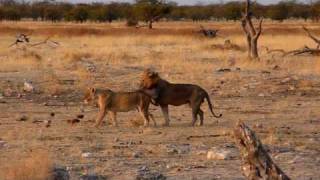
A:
(200, 113)
(113, 118)
(195, 112)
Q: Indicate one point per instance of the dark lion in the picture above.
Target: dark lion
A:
(165, 93)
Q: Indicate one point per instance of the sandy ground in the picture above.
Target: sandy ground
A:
(283, 109)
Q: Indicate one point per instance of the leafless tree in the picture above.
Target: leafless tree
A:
(251, 32)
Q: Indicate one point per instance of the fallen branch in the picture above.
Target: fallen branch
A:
(211, 33)
(21, 38)
(316, 40)
(256, 162)
(305, 50)
(205, 136)
(46, 41)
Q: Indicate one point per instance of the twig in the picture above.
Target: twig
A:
(205, 136)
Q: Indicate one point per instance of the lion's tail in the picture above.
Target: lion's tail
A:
(211, 106)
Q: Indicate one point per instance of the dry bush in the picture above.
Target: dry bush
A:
(50, 83)
(15, 60)
(36, 166)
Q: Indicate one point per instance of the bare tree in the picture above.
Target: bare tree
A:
(256, 162)
(251, 32)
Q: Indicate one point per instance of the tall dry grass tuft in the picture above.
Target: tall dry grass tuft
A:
(36, 166)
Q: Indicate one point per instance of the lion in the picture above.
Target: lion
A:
(112, 102)
(165, 93)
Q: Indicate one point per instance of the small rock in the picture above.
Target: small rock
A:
(137, 154)
(224, 70)
(73, 121)
(276, 67)
(201, 152)
(28, 87)
(80, 116)
(92, 177)
(261, 95)
(60, 173)
(218, 154)
(258, 125)
(285, 80)
(291, 88)
(23, 118)
(87, 155)
(178, 149)
(2, 144)
(47, 123)
(52, 114)
(144, 173)
(116, 139)
(265, 72)
(172, 166)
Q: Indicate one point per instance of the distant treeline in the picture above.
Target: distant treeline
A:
(150, 11)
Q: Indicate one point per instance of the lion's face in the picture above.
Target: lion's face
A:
(149, 79)
(89, 95)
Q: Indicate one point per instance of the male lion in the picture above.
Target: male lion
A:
(112, 102)
(166, 93)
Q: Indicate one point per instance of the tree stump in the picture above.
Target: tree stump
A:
(256, 162)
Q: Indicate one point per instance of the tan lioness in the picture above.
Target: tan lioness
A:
(112, 102)
(166, 93)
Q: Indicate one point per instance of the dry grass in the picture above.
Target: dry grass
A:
(37, 165)
(167, 52)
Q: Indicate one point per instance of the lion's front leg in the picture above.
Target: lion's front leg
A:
(165, 112)
(100, 117)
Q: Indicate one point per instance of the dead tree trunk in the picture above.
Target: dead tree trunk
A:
(251, 32)
(256, 162)
(150, 24)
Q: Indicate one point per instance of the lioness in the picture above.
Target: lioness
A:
(112, 102)
(166, 93)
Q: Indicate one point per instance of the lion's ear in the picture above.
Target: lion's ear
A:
(150, 74)
(93, 90)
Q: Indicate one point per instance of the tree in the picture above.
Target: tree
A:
(315, 11)
(53, 13)
(279, 11)
(232, 11)
(151, 10)
(251, 32)
(79, 13)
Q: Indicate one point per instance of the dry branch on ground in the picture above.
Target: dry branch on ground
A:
(25, 39)
(211, 33)
(256, 162)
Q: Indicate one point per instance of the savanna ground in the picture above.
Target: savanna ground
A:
(278, 97)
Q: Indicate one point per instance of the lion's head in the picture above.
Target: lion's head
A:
(149, 79)
(89, 95)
